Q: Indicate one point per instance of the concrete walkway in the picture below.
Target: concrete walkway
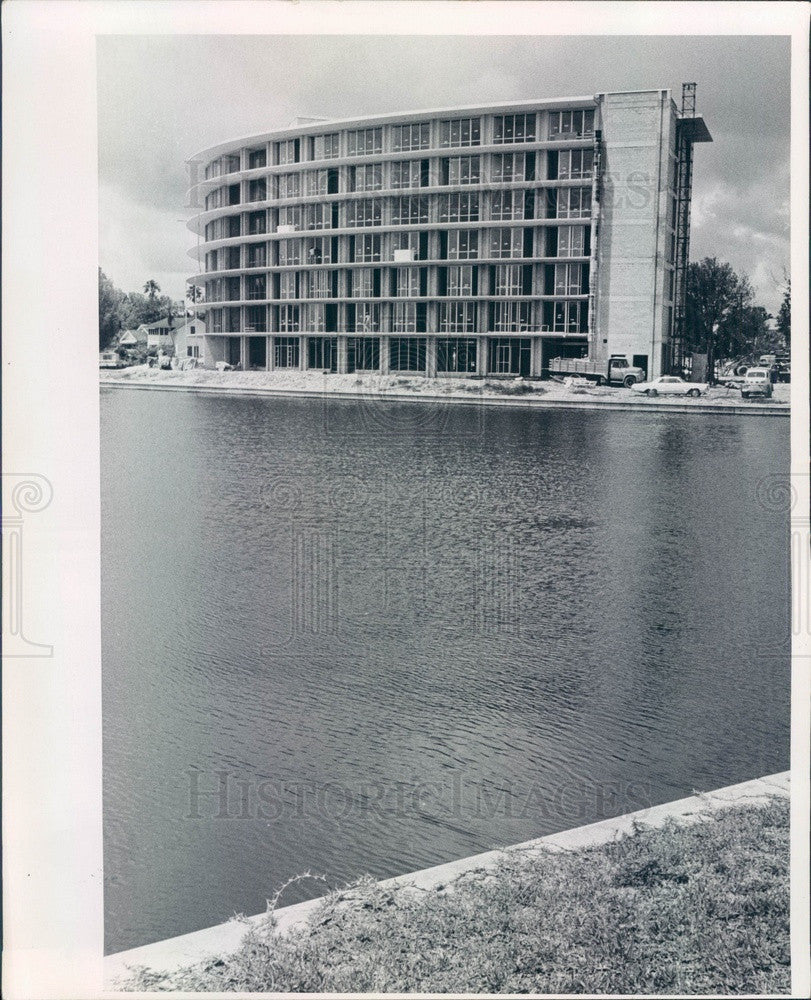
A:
(188, 949)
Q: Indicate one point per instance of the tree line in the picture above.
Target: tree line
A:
(722, 318)
(128, 310)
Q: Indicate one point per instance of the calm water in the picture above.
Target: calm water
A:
(352, 637)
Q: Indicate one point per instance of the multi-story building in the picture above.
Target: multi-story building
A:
(477, 240)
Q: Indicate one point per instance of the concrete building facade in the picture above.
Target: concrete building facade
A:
(459, 242)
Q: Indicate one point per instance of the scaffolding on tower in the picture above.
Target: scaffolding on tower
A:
(690, 128)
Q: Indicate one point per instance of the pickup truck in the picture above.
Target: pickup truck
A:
(616, 370)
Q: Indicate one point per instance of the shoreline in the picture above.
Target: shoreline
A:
(197, 946)
(377, 388)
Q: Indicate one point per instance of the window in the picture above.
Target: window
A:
(455, 354)
(257, 223)
(407, 354)
(258, 189)
(367, 317)
(289, 285)
(232, 258)
(367, 247)
(508, 167)
(462, 206)
(513, 128)
(404, 317)
(463, 244)
(216, 320)
(406, 282)
(460, 281)
(234, 225)
(257, 158)
(405, 174)
(575, 163)
(363, 353)
(406, 137)
(233, 319)
(322, 352)
(571, 241)
(257, 255)
(507, 279)
(405, 241)
(574, 203)
(313, 318)
(409, 209)
(315, 182)
(287, 185)
(286, 351)
(213, 170)
(316, 285)
(511, 317)
(290, 215)
(231, 164)
(506, 243)
(364, 141)
(256, 319)
(367, 177)
(460, 132)
(287, 151)
(566, 317)
(289, 252)
(326, 147)
(569, 279)
(570, 124)
(255, 287)
(457, 317)
(289, 319)
(362, 282)
(364, 213)
(460, 170)
(318, 215)
(192, 351)
(318, 250)
(507, 205)
(213, 199)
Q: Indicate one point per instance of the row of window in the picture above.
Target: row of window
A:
(451, 132)
(404, 282)
(570, 316)
(504, 168)
(466, 244)
(409, 209)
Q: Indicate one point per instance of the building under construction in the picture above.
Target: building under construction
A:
(456, 242)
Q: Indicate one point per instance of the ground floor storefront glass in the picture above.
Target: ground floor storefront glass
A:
(509, 356)
(456, 354)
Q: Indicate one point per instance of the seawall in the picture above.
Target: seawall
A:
(188, 949)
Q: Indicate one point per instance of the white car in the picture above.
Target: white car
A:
(670, 385)
(757, 382)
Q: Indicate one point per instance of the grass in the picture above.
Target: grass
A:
(700, 909)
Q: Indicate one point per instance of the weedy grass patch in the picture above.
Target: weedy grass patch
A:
(700, 909)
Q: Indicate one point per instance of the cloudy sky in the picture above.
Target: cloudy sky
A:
(162, 98)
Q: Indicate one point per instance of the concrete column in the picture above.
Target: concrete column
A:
(430, 358)
(535, 364)
(302, 353)
(342, 360)
(384, 355)
(481, 356)
(243, 352)
(269, 366)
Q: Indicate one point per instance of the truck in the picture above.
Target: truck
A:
(615, 370)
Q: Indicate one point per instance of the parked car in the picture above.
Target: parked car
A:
(670, 385)
(757, 382)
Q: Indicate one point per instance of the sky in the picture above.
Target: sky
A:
(162, 98)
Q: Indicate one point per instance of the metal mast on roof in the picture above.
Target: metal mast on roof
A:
(684, 186)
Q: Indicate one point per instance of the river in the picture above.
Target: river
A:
(344, 637)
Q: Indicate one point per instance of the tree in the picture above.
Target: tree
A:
(151, 288)
(784, 315)
(194, 293)
(717, 301)
(144, 309)
(111, 309)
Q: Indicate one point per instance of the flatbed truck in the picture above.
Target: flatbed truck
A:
(614, 371)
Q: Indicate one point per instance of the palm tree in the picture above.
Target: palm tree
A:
(152, 288)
